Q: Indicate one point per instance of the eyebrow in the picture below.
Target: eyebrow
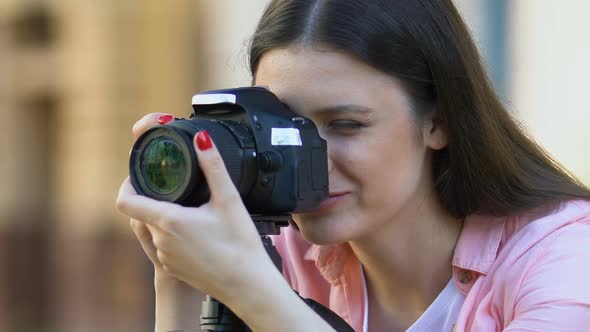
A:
(347, 108)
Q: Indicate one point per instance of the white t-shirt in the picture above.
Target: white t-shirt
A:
(439, 316)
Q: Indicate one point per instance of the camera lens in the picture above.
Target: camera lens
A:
(163, 166)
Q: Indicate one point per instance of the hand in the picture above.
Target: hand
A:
(215, 247)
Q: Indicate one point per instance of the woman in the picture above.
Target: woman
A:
(442, 213)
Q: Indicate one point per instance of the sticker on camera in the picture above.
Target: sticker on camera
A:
(285, 136)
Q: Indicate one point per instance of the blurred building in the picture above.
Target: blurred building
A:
(75, 75)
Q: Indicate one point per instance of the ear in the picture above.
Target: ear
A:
(435, 133)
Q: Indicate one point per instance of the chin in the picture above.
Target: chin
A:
(323, 231)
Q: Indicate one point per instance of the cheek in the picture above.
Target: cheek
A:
(399, 175)
(384, 169)
(345, 157)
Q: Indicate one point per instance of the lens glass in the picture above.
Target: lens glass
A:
(163, 166)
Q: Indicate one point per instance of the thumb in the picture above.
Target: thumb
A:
(220, 184)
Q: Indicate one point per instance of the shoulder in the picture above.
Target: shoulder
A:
(546, 233)
(562, 252)
(487, 243)
(545, 238)
(540, 279)
(560, 243)
(555, 291)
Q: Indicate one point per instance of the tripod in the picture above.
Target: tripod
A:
(216, 317)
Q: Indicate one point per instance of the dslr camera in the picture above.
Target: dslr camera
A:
(275, 157)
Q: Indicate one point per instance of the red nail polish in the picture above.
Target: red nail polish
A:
(204, 140)
(164, 119)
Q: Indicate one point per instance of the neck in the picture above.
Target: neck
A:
(407, 261)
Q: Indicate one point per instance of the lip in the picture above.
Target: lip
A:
(330, 203)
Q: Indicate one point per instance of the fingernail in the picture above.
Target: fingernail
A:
(164, 119)
(204, 140)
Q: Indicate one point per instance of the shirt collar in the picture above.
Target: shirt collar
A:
(330, 260)
(477, 247)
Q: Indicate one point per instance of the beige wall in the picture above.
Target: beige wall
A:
(550, 50)
(229, 25)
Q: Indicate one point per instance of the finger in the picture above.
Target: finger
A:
(145, 240)
(220, 184)
(149, 121)
(142, 208)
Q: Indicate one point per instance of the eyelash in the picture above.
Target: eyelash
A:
(346, 125)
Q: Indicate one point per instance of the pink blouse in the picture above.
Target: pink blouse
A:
(524, 273)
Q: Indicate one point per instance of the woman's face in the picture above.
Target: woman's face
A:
(378, 159)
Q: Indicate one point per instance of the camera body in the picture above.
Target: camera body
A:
(275, 157)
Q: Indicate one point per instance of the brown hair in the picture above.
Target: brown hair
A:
(490, 165)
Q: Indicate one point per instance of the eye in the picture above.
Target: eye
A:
(345, 124)
(345, 127)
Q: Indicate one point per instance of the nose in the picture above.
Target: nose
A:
(330, 164)
(329, 156)
(334, 176)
